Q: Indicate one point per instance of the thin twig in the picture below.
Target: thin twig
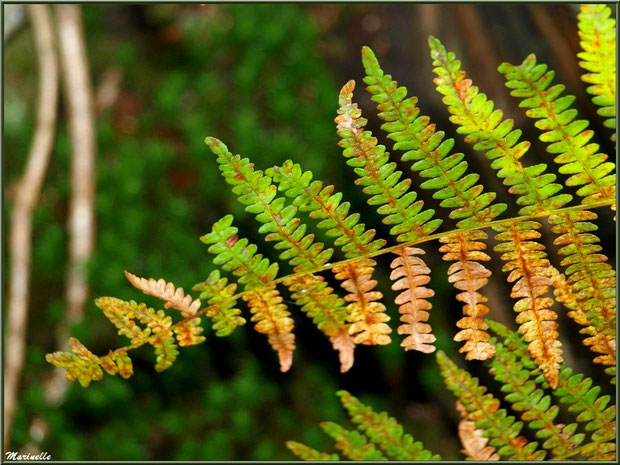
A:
(81, 225)
(27, 195)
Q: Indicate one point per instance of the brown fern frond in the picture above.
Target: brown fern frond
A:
(410, 274)
(468, 275)
(173, 296)
(367, 316)
(597, 341)
(474, 443)
(345, 345)
(528, 265)
(272, 318)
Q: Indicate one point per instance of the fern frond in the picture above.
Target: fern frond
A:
(380, 177)
(238, 255)
(367, 316)
(409, 275)
(327, 207)
(345, 345)
(352, 444)
(165, 351)
(189, 332)
(117, 362)
(384, 431)
(256, 191)
(256, 273)
(485, 127)
(173, 296)
(576, 391)
(483, 408)
(280, 222)
(327, 311)
(594, 410)
(597, 30)
(81, 365)
(597, 341)
(566, 135)
(475, 116)
(468, 275)
(446, 174)
(472, 439)
(414, 134)
(157, 331)
(272, 319)
(593, 280)
(536, 407)
(528, 266)
(308, 453)
(218, 294)
(121, 316)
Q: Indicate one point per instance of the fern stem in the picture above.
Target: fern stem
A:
(391, 249)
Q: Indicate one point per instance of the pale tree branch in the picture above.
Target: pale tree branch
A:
(81, 225)
(27, 195)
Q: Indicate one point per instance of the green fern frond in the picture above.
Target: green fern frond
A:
(502, 430)
(415, 134)
(256, 191)
(384, 431)
(577, 392)
(219, 295)
(596, 340)
(239, 256)
(281, 224)
(529, 399)
(352, 444)
(566, 135)
(380, 177)
(597, 30)
(327, 207)
(485, 127)
(377, 433)
(592, 279)
(308, 453)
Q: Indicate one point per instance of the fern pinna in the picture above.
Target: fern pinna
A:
(529, 364)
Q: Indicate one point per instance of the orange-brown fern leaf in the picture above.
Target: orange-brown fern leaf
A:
(366, 314)
(327, 310)
(345, 345)
(527, 263)
(189, 332)
(468, 275)
(173, 296)
(474, 443)
(272, 318)
(597, 341)
(410, 274)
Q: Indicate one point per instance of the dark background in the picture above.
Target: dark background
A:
(265, 80)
